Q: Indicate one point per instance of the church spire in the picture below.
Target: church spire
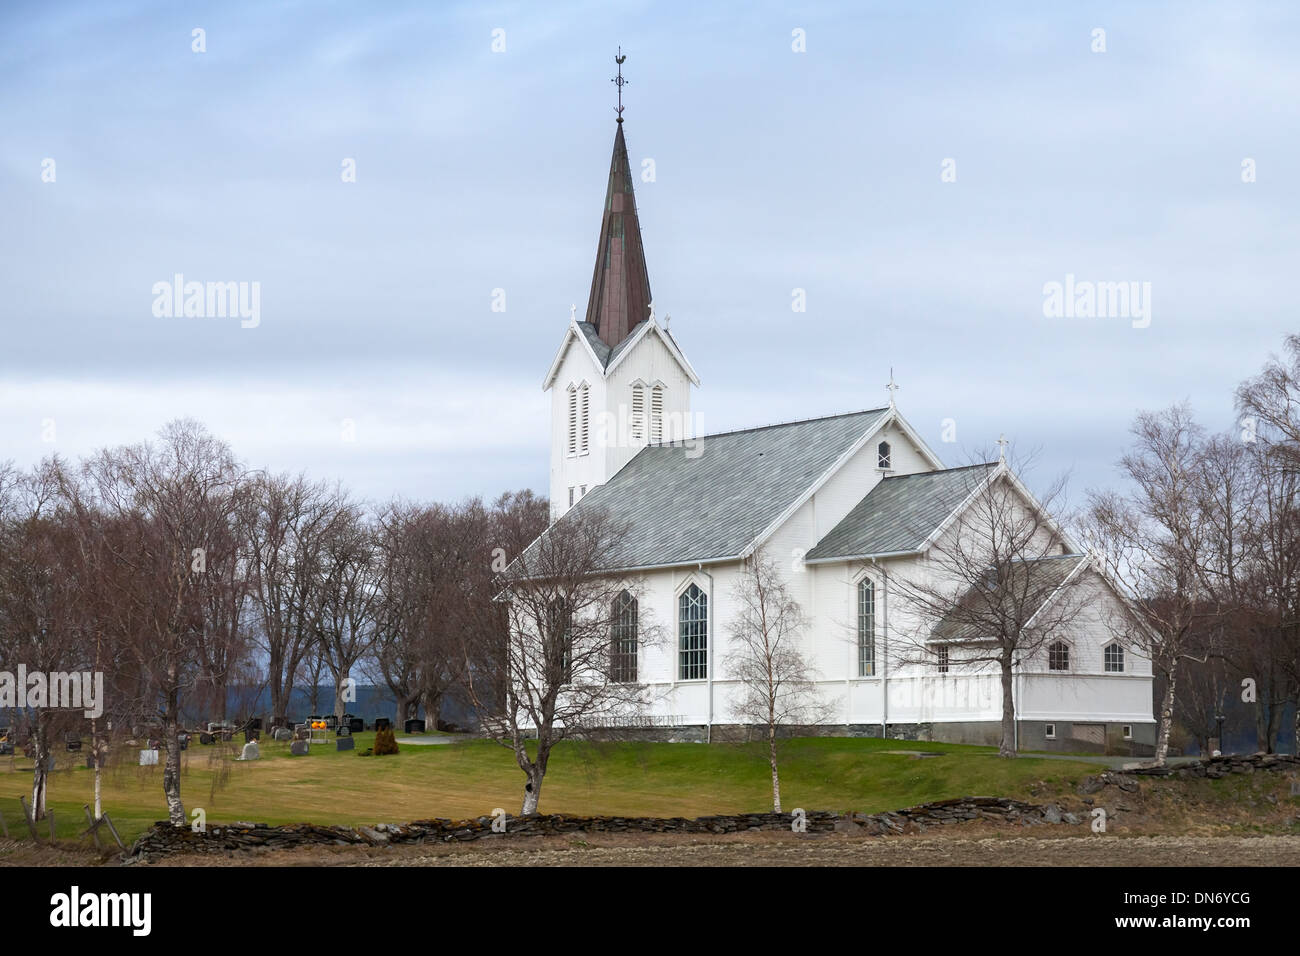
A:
(620, 285)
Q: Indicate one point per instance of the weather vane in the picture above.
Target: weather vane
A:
(619, 82)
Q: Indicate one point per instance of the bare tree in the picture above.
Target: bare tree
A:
(159, 507)
(776, 683)
(1154, 539)
(346, 595)
(293, 520)
(998, 586)
(550, 648)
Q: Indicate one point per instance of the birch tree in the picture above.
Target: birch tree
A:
(776, 683)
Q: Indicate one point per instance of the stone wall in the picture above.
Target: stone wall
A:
(1214, 767)
(163, 838)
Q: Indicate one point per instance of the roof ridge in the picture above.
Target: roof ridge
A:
(759, 428)
(939, 471)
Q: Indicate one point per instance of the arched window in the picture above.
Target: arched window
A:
(623, 640)
(637, 422)
(560, 639)
(693, 634)
(583, 419)
(1058, 656)
(882, 455)
(657, 413)
(866, 628)
(1114, 656)
(573, 420)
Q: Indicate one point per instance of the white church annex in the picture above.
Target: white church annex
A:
(849, 504)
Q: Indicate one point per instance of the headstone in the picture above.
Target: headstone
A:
(255, 723)
(74, 744)
(414, 726)
(343, 731)
(282, 734)
(250, 751)
(184, 740)
(205, 739)
(148, 758)
(298, 748)
(356, 725)
(346, 743)
(382, 723)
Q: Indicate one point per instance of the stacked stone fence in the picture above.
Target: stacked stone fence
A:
(164, 839)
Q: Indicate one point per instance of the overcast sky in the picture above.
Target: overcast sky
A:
(775, 170)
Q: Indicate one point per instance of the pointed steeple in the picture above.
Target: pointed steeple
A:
(620, 286)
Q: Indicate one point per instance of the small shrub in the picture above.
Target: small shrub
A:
(385, 742)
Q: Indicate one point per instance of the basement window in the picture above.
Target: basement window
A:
(1128, 731)
(1049, 731)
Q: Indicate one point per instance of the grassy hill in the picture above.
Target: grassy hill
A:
(471, 777)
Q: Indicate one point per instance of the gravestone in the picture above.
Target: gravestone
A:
(356, 725)
(382, 723)
(148, 758)
(343, 731)
(298, 748)
(250, 751)
(414, 726)
(346, 743)
(282, 734)
(206, 739)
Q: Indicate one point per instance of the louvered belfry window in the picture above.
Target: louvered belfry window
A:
(637, 422)
(657, 413)
(573, 420)
(584, 441)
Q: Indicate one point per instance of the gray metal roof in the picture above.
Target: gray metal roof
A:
(682, 509)
(1044, 576)
(899, 513)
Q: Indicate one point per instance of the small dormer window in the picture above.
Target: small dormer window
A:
(882, 455)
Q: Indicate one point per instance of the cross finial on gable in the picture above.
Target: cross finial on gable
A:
(1002, 448)
(893, 387)
(573, 313)
(651, 307)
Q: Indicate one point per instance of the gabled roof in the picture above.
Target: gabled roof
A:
(606, 358)
(901, 514)
(709, 498)
(1043, 577)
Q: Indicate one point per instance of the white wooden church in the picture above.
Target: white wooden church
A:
(850, 503)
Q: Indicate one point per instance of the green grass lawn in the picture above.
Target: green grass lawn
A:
(472, 777)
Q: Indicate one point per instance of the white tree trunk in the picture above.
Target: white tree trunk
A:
(1167, 717)
(776, 779)
(532, 793)
(41, 772)
(172, 774)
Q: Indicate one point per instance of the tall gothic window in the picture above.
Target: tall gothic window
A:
(1058, 656)
(1114, 656)
(560, 637)
(623, 640)
(882, 455)
(866, 628)
(943, 659)
(693, 634)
